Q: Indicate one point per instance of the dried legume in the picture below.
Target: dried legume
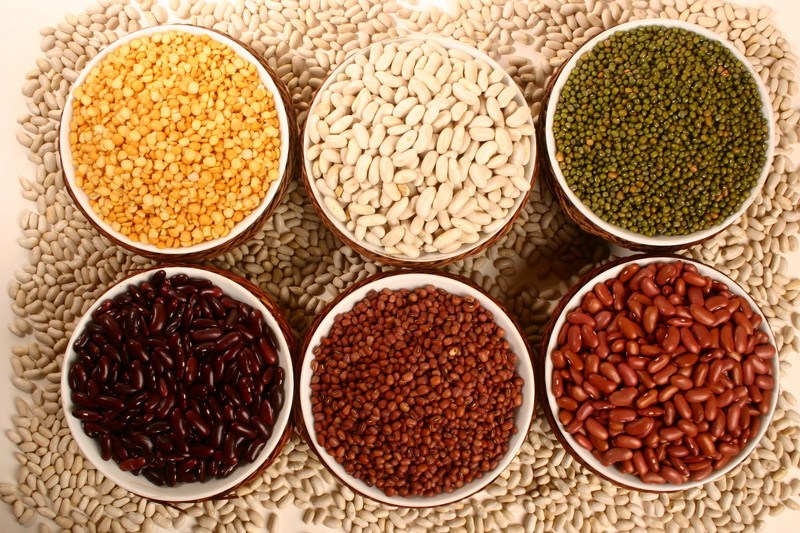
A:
(414, 391)
(177, 381)
(417, 148)
(663, 372)
(660, 131)
(174, 139)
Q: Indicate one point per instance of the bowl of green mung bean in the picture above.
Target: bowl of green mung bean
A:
(658, 135)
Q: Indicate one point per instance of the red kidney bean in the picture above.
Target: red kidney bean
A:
(171, 399)
(604, 385)
(684, 352)
(596, 429)
(583, 441)
(640, 428)
(616, 455)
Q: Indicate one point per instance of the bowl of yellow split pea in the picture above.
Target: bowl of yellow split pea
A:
(177, 142)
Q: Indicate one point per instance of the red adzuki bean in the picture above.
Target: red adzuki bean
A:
(414, 391)
(677, 380)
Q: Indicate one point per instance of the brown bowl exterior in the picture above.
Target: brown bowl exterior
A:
(566, 204)
(539, 367)
(291, 342)
(292, 167)
(302, 424)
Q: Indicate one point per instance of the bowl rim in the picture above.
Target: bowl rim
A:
(274, 192)
(569, 302)
(283, 427)
(340, 304)
(531, 170)
(658, 241)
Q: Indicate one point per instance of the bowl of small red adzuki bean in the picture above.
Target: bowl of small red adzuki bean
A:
(661, 373)
(178, 383)
(416, 388)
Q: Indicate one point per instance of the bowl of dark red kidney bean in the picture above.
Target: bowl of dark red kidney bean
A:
(660, 373)
(416, 388)
(178, 383)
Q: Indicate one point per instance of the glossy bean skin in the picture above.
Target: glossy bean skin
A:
(680, 364)
(164, 355)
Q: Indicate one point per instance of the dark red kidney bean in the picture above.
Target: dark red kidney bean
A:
(267, 351)
(254, 449)
(133, 464)
(667, 393)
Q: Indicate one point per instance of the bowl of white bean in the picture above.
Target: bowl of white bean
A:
(419, 151)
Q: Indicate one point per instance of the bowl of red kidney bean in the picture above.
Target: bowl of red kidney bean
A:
(415, 389)
(660, 373)
(178, 383)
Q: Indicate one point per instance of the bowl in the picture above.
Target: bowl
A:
(545, 370)
(429, 259)
(579, 212)
(241, 290)
(242, 230)
(343, 303)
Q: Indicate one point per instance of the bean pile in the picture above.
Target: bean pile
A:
(414, 391)
(663, 372)
(660, 131)
(174, 139)
(418, 148)
(177, 381)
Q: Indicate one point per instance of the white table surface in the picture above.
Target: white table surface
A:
(19, 48)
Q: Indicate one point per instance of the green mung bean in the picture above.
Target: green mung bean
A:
(660, 131)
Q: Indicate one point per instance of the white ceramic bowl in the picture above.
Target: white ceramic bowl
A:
(425, 258)
(585, 456)
(412, 280)
(82, 199)
(183, 491)
(658, 241)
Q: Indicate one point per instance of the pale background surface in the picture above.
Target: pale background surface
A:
(19, 48)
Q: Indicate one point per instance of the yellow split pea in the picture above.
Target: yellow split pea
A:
(174, 139)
